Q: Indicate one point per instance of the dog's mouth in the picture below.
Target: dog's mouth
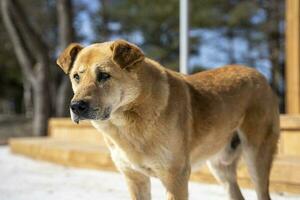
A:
(92, 114)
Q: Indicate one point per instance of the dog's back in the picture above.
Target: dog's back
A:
(229, 94)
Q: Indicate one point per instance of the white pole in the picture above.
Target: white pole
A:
(184, 36)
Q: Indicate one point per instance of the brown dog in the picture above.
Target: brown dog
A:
(160, 123)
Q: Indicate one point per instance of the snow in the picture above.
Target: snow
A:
(26, 179)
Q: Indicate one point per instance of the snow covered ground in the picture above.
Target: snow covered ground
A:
(25, 179)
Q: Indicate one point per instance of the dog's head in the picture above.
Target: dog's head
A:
(103, 77)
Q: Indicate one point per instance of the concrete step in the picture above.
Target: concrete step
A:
(68, 153)
(65, 129)
(285, 174)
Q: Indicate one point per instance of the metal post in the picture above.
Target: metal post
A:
(184, 36)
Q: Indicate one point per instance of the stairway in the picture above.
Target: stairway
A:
(82, 146)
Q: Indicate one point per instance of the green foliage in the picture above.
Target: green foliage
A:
(156, 22)
(154, 25)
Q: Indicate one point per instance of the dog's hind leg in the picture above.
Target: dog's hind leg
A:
(223, 167)
(259, 137)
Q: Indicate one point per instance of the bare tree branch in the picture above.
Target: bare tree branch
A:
(66, 36)
(26, 62)
(65, 19)
(33, 39)
(35, 66)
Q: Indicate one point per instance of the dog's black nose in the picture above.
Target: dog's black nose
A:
(79, 107)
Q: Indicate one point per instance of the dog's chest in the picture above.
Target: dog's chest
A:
(125, 161)
(135, 154)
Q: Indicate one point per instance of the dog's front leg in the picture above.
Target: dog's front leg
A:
(138, 185)
(176, 183)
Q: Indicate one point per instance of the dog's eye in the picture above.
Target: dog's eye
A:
(103, 76)
(76, 77)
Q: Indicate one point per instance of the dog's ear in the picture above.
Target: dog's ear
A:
(126, 54)
(67, 57)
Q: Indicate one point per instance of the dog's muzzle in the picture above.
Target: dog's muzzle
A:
(81, 110)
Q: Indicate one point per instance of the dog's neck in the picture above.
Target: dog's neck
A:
(150, 94)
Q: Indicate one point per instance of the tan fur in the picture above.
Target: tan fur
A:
(163, 123)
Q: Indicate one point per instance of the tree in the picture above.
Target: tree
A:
(275, 36)
(35, 58)
(258, 23)
(32, 55)
(66, 36)
(11, 79)
(153, 25)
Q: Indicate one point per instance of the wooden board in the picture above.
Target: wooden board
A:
(82, 146)
(292, 56)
